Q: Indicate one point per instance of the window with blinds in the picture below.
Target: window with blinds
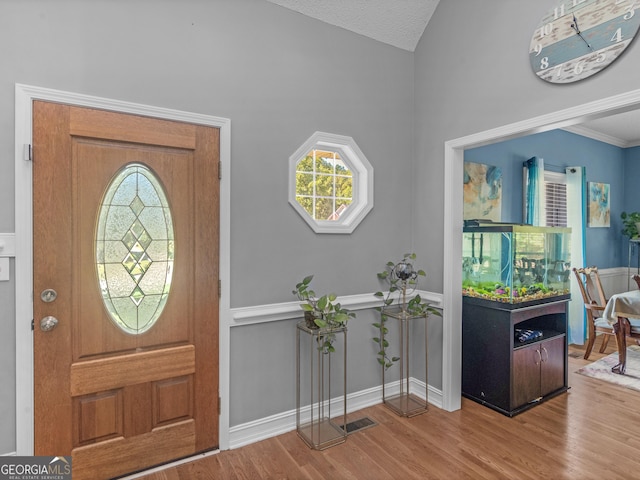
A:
(556, 199)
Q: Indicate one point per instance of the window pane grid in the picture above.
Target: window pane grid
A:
(323, 185)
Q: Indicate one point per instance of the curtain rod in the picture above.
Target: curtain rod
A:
(573, 170)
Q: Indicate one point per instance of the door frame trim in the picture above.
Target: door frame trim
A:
(453, 169)
(24, 97)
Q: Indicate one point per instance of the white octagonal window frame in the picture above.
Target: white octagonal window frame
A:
(362, 175)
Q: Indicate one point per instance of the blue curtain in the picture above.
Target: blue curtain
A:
(534, 192)
(576, 220)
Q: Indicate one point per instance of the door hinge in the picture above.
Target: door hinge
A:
(28, 153)
(219, 170)
(219, 288)
(32, 325)
(219, 406)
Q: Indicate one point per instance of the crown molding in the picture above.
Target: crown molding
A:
(602, 137)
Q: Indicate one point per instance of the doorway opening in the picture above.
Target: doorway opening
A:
(453, 174)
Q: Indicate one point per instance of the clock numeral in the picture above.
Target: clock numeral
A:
(559, 12)
(579, 67)
(558, 70)
(617, 37)
(630, 12)
(538, 49)
(545, 30)
(601, 57)
(544, 63)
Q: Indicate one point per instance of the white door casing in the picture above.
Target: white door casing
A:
(453, 169)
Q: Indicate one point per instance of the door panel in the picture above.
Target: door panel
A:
(96, 163)
(119, 401)
(526, 375)
(553, 368)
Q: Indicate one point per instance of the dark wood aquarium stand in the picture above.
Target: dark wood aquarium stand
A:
(500, 372)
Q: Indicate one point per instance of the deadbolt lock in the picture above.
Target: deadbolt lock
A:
(48, 295)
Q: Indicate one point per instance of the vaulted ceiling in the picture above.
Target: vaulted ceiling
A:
(397, 22)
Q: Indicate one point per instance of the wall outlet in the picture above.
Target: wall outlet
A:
(4, 269)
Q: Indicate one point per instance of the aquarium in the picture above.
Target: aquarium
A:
(514, 264)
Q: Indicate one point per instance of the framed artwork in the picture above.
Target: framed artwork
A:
(482, 192)
(599, 205)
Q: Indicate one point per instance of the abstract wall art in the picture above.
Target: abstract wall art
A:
(599, 205)
(482, 192)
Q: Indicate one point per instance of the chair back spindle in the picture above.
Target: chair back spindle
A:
(595, 302)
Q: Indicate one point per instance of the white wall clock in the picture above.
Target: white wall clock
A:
(579, 38)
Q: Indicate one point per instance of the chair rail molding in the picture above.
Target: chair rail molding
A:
(289, 310)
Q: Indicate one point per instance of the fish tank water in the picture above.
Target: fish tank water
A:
(516, 265)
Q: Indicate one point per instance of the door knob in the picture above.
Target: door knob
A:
(48, 323)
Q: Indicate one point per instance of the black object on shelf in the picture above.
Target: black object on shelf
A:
(525, 335)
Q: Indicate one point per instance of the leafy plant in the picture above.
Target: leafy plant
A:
(398, 278)
(629, 221)
(324, 312)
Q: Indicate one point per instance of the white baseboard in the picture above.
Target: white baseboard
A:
(284, 422)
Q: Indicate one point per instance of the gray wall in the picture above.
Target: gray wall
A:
(279, 77)
(473, 74)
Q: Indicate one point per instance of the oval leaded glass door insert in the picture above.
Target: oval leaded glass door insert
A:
(134, 249)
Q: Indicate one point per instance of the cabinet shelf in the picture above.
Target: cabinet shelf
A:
(546, 335)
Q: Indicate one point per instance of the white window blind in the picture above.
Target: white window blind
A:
(556, 199)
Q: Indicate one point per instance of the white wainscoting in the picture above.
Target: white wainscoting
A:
(617, 280)
(283, 422)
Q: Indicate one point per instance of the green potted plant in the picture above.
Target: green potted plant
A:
(398, 278)
(321, 312)
(630, 224)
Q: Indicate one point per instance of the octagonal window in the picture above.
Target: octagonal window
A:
(330, 183)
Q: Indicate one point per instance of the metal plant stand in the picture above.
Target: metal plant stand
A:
(406, 403)
(313, 376)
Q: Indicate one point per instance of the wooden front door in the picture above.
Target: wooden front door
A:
(125, 350)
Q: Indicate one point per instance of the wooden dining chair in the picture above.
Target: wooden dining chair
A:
(595, 302)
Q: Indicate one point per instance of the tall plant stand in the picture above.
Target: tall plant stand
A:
(406, 403)
(316, 388)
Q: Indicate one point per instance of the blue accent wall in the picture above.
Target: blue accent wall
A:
(604, 163)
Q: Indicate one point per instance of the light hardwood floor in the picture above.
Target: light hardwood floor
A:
(591, 432)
